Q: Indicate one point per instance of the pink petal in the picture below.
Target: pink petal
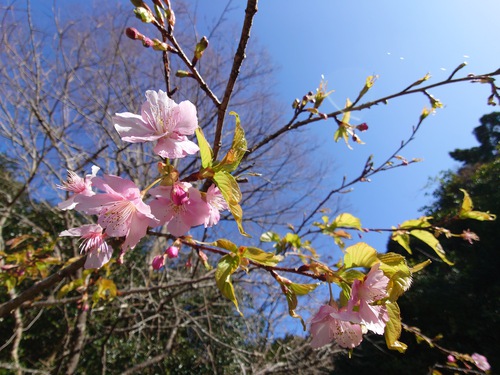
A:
(132, 128)
(137, 230)
(175, 147)
(96, 259)
(188, 120)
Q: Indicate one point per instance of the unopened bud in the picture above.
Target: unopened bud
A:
(146, 42)
(158, 262)
(362, 127)
(172, 252)
(133, 33)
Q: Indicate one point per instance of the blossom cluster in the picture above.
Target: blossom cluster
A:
(121, 209)
(346, 325)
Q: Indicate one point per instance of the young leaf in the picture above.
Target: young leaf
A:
(432, 241)
(227, 265)
(347, 220)
(232, 195)
(270, 237)
(291, 299)
(260, 256)
(238, 148)
(205, 149)
(106, 290)
(403, 239)
(302, 289)
(466, 211)
(226, 244)
(393, 328)
(360, 255)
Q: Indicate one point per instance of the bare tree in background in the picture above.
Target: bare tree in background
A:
(61, 81)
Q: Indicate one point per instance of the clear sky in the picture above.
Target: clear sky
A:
(346, 41)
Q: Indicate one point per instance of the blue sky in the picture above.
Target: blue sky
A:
(346, 41)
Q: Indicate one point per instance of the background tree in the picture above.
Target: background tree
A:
(456, 307)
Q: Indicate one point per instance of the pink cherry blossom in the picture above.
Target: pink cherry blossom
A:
(180, 207)
(77, 185)
(481, 362)
(331, 324)
(363, 294)
(161, 120)
(93, 244)
(216, 203)
(120, 209)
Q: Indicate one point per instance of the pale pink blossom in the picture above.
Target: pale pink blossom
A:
(364, 294)
(216, 203)
(481, 362)
(172, 252)
(180, 207)
(120, 209)
(93, 244)
(77, 185)
(331, 324)
(161, 120)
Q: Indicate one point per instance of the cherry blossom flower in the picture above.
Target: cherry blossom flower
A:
(179, 206)
(93, 244)
(161, 120)
(481, 362)
(363, 294)
(77, 185)
(331, 324)
(216, 203)
(120, 209)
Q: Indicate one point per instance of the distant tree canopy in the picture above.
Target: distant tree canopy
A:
(459, 303)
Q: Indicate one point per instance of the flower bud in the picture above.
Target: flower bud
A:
(362, 127)
(450, 358)
(172, 252)
(133, 33)
(158, 262)
(146, 42)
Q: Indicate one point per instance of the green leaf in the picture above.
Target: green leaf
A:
(205, 149)
(260, 256)
(370, 80)
(403, 239)
(347, 220)
(431, 241)
(422, 222)
(393, 328)
(293, 239)
(360, 255)
(395, 267)
(238, 148)
(419, 267)
(302, 289)
(227, 265)
(226, 244)
(270, 237)
(291, 299)
(231, 192)
(106, 290)
(466, 211)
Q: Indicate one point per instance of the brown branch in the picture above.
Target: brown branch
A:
(32, 292)
(298, 124)
(250, 12)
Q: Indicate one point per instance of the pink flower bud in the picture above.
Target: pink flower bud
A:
(172, 252)
(133, 33)
(179, 195)
(146, 42)
(451, 359)
(157, 262)
(362, 127)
